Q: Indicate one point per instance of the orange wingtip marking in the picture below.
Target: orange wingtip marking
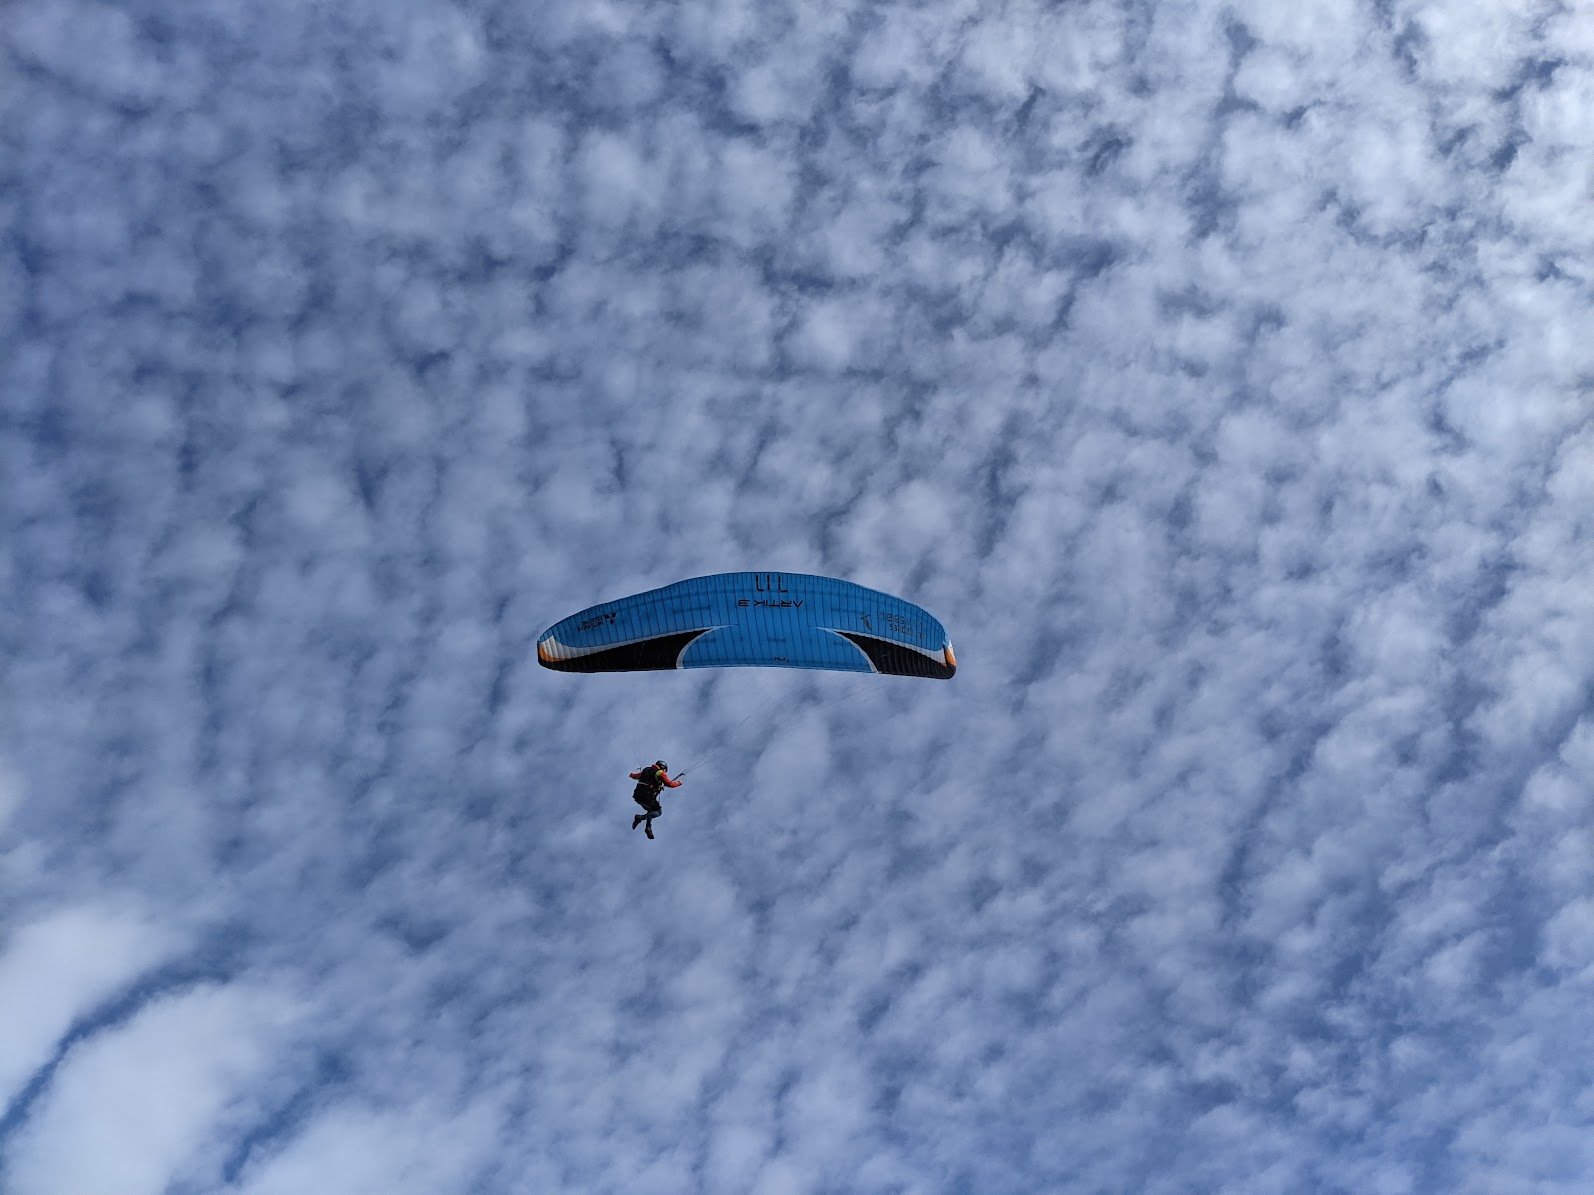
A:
(951, 660)
(542, 653)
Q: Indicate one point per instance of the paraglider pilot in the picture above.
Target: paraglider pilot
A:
(651, 781)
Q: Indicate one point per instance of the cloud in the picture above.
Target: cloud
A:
(362, 1150)
(155, 1091)
(60, 968)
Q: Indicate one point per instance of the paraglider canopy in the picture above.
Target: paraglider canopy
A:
(740, 620)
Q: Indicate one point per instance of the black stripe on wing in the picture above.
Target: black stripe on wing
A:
(645, 655)
(897, 660)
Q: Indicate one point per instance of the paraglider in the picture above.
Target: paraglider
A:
(752, 620)
(747, 620)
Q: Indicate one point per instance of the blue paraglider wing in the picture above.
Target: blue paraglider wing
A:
(757, 620)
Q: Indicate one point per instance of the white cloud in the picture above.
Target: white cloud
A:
(621, 187)
(95, 46)
(756, 191)
(367, 1151)
(62, 966)
(153, 1090)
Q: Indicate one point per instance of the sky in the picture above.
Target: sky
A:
(1219, 374)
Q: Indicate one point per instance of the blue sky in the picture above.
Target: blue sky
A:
(1217, 373)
